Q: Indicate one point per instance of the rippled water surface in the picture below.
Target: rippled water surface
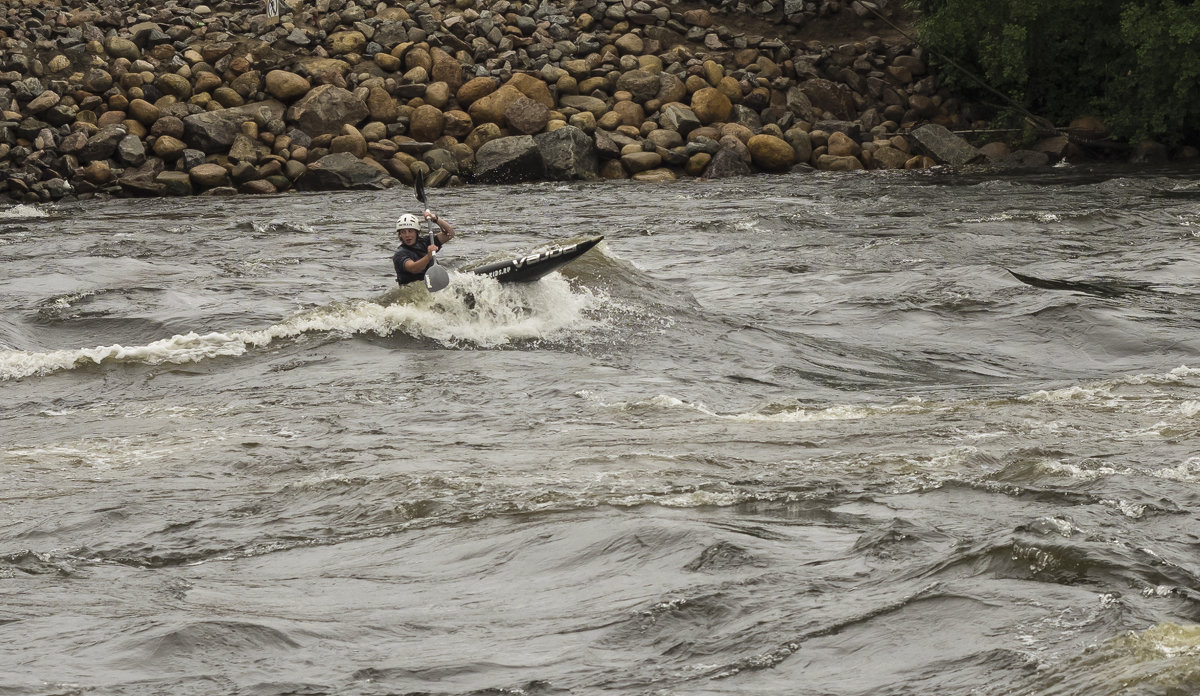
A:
(802, 435)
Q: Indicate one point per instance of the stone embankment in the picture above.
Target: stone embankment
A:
(99, 97)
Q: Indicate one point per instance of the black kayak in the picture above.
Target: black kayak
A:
(527, 269)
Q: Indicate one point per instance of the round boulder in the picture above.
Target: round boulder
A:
(209, 175)
(427, 123)
(643, 85)
(711, 106)
(286, 86)
(475, 89)
(526, 116)
(771, 153)
(491, 108)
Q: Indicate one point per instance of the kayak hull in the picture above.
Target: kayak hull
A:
(532, 267)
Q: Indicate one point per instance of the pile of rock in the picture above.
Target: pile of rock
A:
(177, 97)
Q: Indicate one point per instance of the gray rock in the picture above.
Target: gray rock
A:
(342, 170)
(568, 153)
(325, 109)
(642, 84)
(131, 151)
(942, 145)
(680, 119)
(215, 131)
(440, 158)
(727, 163)
(141, 181)
(103, 144)
(511, 159)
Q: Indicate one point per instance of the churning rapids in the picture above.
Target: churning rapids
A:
(803, 435)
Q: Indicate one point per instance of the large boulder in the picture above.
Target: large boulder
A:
(325, 109)
(427, 123)
(491, 108)
(286, 86)
(214, 131)
(533, 88)
(771, 153)
(103, 144)
(642, 84)
(567, 153)
(511, 159)
(711, 105)
(831, 97)
(475, 89)
(679, 118)
(526, 116)
(942, 145)
(726, 163)
(581, 102)
(446, 68)
(343, 170)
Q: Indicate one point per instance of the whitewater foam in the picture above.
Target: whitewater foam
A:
(475, 312)
(23, 211)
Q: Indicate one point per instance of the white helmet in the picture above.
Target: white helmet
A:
(408, 221)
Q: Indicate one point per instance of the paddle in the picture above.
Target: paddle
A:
(436, 277)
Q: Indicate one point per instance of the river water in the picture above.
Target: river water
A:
(802, 435)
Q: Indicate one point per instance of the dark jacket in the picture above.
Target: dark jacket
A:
(413, 252)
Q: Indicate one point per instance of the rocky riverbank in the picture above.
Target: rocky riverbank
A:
(179, 97)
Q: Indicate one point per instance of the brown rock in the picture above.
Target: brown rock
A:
(458, 123)
(446, 68)
(630, 113)
(228, 97)
(168, 148)
(174, 85)
(437, 94)
(351, 140)
(482, 134)
(842, 145)
(209, 175)
(994, 151)
(491, 108)
(286, 86)
(111, 118)
(144, 112)
(205, 82)
(247, 84)
(325, 109)
(834, 163)
(533, 88)
(257, 187)
(97, 172)
(630, 44)
(475, 89)
(888, 157)
(771, 153)
(427, 123)
(326, 71)
(167, 125)
(381, 106)
(640, 161)
(711, 106)
(526, 116)
(387, 62)
(697, 163)
(344, 42)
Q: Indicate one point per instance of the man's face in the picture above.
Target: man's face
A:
(408, 236)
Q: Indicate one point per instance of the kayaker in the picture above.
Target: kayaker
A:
(415, 254)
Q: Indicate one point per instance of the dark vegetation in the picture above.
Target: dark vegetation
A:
(1134, 64)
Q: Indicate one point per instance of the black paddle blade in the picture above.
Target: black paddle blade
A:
(419, 185)
(436, 278)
